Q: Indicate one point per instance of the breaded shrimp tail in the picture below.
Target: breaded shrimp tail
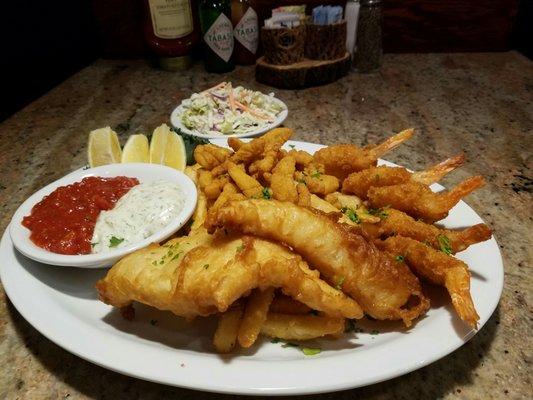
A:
(391, 143)
(438, 171)
(384, 288)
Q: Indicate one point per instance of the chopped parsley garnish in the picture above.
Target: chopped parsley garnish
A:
(154, 262)
(341, 280)
(94, 244)
(351, 214)
(267, 193)
(316, 174)
(206, 266)
(176, 256)
(379, 212)
(240, 248)
(374, 332)
(444, 244)
(310, 351)
(350, 326)
(289, 344)
(292, 146)
(115, 241)
(399, 258)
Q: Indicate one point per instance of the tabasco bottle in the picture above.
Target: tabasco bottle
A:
(217, 32)
(245, 31)
(170, 32)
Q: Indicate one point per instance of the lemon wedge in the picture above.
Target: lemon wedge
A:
(103, 147)
(136, 150)
(167, 148)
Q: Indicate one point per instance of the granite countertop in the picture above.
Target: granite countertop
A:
(481, 104)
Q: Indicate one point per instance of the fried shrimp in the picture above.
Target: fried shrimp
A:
(438, 268)
(346, 259)
(360, 182)
(417, 199)
(399, 223)
(203, 274)
(343, 159)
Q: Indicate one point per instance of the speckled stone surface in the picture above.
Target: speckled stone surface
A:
(481, 104)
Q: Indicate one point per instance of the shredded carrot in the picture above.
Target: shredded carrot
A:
(231, 98)
(221, 84)
(254, 113)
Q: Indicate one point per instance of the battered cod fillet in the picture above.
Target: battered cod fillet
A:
(384, 288)
(203, 274)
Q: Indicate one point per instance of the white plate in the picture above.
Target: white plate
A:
(176, 122)
(20, 235)
(61, 303)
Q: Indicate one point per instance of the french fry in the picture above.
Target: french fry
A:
(200, 212)
(254, 316)
(228, 327)
(322, 205)
(283, 304)
(300, 327)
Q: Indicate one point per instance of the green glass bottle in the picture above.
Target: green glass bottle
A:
(217, 31)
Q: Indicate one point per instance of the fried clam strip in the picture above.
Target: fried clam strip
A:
(384, 289)
(399, 223)
(360, 182)
(439, 268)
(210, 156)
(282, 183)
(203, 274)
(259, 147)
(343, 159)
(417, 199)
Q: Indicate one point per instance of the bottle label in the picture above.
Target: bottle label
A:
(171, 19)
(247, 32)
(219, 37)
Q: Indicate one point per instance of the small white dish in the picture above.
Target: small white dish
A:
(175, 119)
(20, 235)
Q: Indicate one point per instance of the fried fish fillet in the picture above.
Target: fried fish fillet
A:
(384, 288)
(202, 274)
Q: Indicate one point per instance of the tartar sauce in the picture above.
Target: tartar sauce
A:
(144, 210)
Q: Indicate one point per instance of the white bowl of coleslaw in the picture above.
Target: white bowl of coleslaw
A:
(224, 111)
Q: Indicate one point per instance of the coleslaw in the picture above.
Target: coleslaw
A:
(225, 110)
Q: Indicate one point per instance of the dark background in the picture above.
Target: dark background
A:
(44, 42)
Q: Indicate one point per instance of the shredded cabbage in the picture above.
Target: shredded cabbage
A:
(210, 112)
